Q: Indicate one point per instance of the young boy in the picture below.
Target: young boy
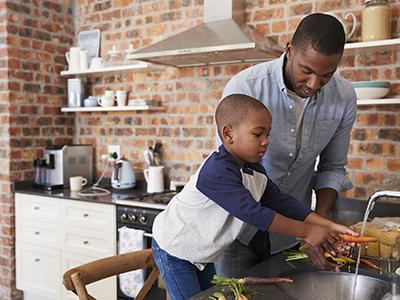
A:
(229, 189)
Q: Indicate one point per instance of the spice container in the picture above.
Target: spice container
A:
(376, 21)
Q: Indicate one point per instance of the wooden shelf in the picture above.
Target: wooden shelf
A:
(138, 67)
(372, 44)
(112, 108)
(382, 101)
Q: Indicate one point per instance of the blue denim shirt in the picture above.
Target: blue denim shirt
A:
(328, 120)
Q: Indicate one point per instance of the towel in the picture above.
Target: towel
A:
(131, 240)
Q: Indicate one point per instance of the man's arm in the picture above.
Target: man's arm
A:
(330, 177)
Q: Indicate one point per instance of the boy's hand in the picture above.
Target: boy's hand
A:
(318, 259)
(317, 235)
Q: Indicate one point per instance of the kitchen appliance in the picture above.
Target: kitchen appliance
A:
(62, 162)
(123, 176)
(139, 212)
(223, 38)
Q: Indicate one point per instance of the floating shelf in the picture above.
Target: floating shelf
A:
(112, 108)
(382, 101)
(140, 66)
(372, 44)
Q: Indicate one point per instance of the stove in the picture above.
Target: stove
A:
(139, 212)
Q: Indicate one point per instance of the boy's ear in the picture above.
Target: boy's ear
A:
(227, 134)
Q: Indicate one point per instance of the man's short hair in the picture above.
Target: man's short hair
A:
(235, 108)
(323, 32)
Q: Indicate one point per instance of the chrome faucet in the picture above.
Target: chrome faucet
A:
(372, 199)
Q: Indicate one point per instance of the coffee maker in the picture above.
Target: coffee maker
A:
(61, 162)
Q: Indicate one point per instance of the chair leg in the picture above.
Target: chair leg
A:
(80, 287)
(148, 284)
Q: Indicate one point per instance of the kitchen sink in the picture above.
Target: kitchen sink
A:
(323, 285)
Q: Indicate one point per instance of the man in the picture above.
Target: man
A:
(313, 112)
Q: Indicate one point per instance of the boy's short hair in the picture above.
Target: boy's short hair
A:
(323, 32)
(233, 109)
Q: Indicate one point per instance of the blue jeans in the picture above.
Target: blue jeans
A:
(238, 257)
(182, 279)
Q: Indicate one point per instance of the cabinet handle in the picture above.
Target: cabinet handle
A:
(37, 232)
(86, 242)
(85, 215)
(37, 259)
(36, 207)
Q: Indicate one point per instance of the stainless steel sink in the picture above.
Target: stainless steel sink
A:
(333, 286)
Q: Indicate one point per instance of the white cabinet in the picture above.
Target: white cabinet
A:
(54, 235)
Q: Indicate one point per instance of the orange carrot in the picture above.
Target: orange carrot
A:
(369, 264)
(357, 239)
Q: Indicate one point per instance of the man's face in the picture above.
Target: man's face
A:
(250, 138)
(307, 70)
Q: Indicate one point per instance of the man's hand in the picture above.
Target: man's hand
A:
(317, 257)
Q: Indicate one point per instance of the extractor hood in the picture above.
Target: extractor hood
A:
(223, 38)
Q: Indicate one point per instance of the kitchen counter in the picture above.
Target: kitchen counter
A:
(277, 266)
(125, 196)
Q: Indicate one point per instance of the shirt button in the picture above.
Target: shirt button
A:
(290, 154)
(292, 130)
(291, 106)
(288, 174)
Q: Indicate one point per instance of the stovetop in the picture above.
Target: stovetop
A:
(156, 200)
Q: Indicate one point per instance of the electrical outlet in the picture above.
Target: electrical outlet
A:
(114, 148)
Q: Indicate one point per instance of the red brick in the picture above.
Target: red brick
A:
(393, 165)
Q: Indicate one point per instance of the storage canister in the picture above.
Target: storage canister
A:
(76, 92)
(376, 21)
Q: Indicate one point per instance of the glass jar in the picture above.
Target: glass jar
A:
(376, 21)
(114, 57)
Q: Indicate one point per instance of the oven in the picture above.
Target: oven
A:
(139, 213)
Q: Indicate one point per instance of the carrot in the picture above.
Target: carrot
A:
(369, 264)
(264, 280)
(357, 239)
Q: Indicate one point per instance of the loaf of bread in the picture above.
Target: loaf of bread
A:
(387, 231)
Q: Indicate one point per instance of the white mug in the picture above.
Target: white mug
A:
(73, 58)
(76, 183)
(154, 178)
(121, 97)
(83, 60)
(106, 101)
(347, 32)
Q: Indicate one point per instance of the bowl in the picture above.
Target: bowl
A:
(371, 89)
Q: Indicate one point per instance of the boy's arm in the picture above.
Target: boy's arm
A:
(283, 203)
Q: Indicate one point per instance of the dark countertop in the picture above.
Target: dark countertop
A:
(277, 266)
(123, 195)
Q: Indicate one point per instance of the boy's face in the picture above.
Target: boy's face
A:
(250, 138)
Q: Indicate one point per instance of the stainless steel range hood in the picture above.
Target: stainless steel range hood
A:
(223, 38)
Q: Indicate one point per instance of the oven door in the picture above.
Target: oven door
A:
(157, 292)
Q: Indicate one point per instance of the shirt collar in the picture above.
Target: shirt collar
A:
(278, 70)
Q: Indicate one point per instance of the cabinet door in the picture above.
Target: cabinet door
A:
(89, 242)
(88, 215)
(104, 289)
(39, 233)
(38, 270)
(45, 209)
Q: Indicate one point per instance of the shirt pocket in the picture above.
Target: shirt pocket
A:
(324, 130)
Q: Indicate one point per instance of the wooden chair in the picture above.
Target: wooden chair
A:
(76, 279)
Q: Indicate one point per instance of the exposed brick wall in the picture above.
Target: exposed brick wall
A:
(190, 95)
(34, 37)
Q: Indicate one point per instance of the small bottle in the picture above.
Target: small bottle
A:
(376, 21)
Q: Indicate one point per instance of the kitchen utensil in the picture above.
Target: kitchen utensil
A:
(154, 178)
(73, 58)
(90, 102)
(76, 183)
(121, 96)
(371, 89)
(107, 99)
(157, 154)
(123, 176)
